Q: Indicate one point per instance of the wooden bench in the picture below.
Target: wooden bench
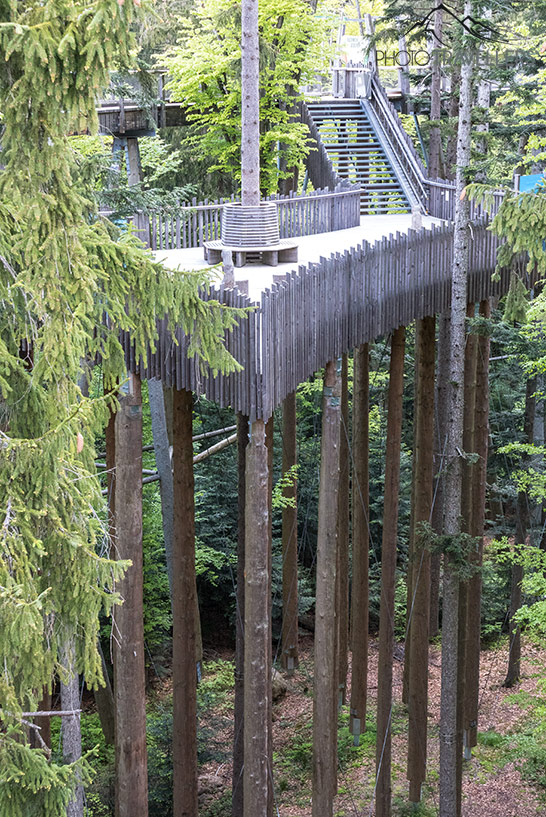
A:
(283, 251)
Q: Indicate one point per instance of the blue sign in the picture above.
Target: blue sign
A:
(530, 184)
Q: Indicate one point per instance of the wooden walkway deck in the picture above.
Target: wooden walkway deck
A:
(324, 309)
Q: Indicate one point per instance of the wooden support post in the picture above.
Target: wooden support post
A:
(184, 607)
(342, 571)
(479, 485)
(289, 634)
(257, 723)
(238, 711)
(440, 445)
(129, 670)
(269, 446)
(388, 575)
(361, 542)
(420, 606)
(325, 688)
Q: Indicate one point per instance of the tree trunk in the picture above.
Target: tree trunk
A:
(441, 434)
(269, 441)
(342, 574)
(164, 468)
(388, 575)
(250, 105)
(289, 635)
(522, 526)
(129, 670)
(448, 706)
(325, 688)
(479, 486)
(420, 610)
(184, 606)
(435, 168)
(257, 724)
(70, 726)
(238, 710)
(466, 512)
(361, 542)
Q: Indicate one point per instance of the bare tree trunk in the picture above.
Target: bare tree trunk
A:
(435, 168)
(448, 706)
(441, 433)
(250, 105)
(184, 607)
(70, 726)
(257, 725)
(238, 709)
(342, 575)
(289, 634)
(522, 526)
(466, 511)
(269, 443)
(420, 610)
(388, 576)
(325, 689)
(479, 485)
(164, 468)
(361, 542)
(129, 669)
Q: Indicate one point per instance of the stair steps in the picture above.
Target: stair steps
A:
(356, 154)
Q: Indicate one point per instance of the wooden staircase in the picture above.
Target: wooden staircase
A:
(359, 153)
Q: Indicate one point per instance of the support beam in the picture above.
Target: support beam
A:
(361, 542)
(479, 486)
(388, 576)
(129, 669)
(325, 686)
(342, 575)
(257, 724)
(238, 709)
(184, 612)
(420, 606)
(289, 633)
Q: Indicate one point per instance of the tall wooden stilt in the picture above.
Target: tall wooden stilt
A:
(289, 635)
(238, 710)
(479, 485)
(342, 575)
(420, 607)
(361, 542)
(257, 724)
(325, 687)
(388, 570)
(440, 449)
(269, 441)
(129, 672)
(184, 607)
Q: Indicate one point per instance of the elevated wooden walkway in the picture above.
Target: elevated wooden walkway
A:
(321, 311)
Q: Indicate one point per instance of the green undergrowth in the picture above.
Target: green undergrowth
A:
(526, 747)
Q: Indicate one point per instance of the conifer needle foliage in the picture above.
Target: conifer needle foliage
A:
(68, 286)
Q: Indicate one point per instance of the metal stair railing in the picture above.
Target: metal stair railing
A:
(397, 144)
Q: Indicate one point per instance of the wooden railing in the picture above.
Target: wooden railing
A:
(321, 211)
(319, 165)
(441, 201)
(326, 309)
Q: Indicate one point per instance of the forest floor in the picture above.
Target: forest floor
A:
(505, 778)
